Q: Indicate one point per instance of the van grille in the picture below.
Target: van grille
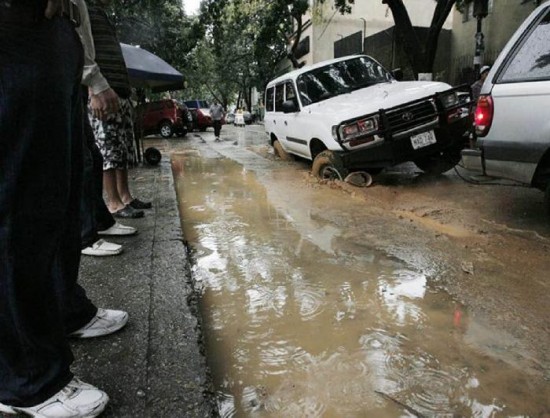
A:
(407, 117)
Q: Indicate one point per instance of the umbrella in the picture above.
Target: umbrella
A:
(145, 69)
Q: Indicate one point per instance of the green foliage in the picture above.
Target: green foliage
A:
(159, 26)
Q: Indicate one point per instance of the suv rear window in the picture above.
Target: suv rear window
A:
(531, 61)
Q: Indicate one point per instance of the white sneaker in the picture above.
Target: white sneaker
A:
(105, 322)
(102, 248)
(76, 400)
(119, 230)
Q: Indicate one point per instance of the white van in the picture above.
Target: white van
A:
(512, 117)
(351, 114)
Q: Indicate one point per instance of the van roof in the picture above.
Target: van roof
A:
(292, 75)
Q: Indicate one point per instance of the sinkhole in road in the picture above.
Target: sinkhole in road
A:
(304, 317)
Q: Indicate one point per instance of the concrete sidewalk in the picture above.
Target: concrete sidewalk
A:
(154, 367)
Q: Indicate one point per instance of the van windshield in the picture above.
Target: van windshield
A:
(340, 78)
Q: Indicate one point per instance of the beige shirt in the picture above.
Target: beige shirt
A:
(91, 76)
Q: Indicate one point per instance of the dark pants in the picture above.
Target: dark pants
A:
(217, 127)
(93, 212)
(40, 186)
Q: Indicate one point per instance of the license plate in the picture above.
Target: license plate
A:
(423, 139)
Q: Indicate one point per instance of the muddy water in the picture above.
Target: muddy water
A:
(300, 321)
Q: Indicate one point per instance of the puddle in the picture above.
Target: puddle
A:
(300, 321)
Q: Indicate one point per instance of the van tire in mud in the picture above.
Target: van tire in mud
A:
(280, 152)
(328, 165)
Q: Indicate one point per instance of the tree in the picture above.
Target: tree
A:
(420, 51)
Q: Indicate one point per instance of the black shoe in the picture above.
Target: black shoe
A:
(128, 212)
(138, 204)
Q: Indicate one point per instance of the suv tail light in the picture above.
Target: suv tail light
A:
(484, 115)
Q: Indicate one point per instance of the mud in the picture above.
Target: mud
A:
(417, 295)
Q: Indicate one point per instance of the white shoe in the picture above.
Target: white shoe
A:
(119, 230)
(76, 400)
(105, 322)
(102, 248)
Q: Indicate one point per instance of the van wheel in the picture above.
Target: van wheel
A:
(328, 165)
(280, 152)
(439, 163)
(166, 130)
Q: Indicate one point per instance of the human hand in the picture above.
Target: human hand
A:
(104, 103)
(52, 8)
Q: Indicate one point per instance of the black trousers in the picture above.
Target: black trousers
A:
(217, 127)
(40, 186)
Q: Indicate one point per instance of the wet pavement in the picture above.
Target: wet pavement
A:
(333, 301)
(155, 366)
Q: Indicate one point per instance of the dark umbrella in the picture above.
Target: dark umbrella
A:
(146, 70)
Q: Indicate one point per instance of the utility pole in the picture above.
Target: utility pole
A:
(481, 10)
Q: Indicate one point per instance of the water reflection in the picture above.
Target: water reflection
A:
(304, 319)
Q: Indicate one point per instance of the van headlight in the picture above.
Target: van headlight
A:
(358, 128)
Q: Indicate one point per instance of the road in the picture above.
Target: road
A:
(481, 249)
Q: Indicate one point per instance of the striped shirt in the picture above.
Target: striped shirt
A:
(108, 53)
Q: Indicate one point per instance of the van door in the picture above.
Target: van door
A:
(277, 117)
(295, 131)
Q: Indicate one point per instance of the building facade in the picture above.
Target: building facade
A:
(503, 19)
(370, 29)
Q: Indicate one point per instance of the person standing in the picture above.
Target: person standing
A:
(113, 128)
(217, 113)
(476, 87)
(40, 185)
(97, 221)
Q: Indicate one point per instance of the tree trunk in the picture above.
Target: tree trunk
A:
(420, 53)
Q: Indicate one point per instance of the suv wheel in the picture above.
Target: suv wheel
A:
(328, 165)
(280, 152)
(439, 163)
(166, 130)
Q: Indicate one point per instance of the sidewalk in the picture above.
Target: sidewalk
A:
(154, 367)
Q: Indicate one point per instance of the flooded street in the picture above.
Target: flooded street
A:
(317, 303)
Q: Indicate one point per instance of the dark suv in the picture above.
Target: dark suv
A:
(165, 117)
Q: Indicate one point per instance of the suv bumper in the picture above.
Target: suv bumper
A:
(396, 151)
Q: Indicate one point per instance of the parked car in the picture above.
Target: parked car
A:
(512, 121)
(165, 117)
(201, 114)
(350, 114)
(230, 118)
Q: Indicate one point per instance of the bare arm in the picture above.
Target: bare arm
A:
(103, 99)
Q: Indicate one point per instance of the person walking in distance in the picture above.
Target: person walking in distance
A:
(217, 113)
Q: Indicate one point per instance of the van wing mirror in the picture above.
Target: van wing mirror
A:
(290, 106)
(397, 74)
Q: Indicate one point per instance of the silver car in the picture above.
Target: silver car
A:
(512, 117)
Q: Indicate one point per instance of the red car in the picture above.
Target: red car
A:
(165, 117)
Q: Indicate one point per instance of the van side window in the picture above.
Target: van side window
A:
(279, 97)
(291, 93)
(531, 61)
(269, 99)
